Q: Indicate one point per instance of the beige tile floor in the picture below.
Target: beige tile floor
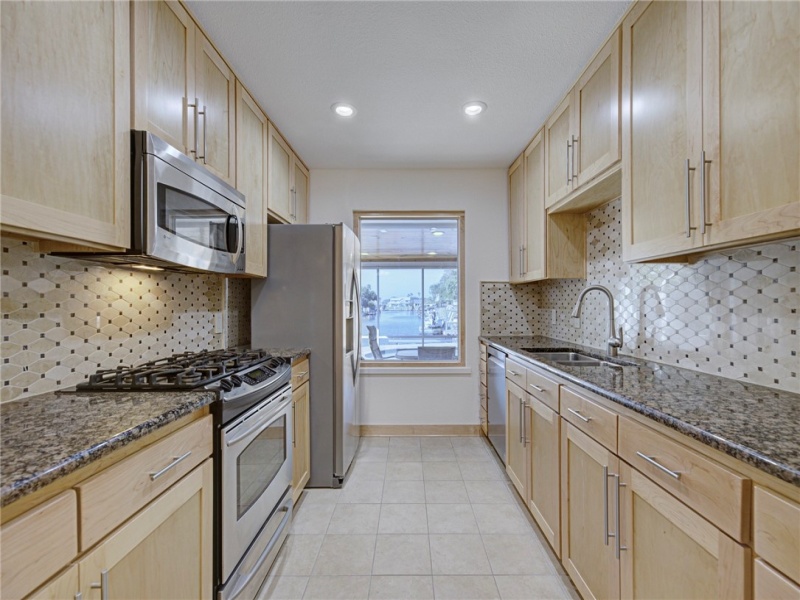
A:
(418, 517)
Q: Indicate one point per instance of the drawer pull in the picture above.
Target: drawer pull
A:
(536, 387)
(513, 373)
(157, 474)
(302, 374)
(579, 415)
(675, 474)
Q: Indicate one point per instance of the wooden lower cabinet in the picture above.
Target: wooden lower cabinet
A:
(165, 551)
(769, 584)
(587, 551)
(301, 457)
(62, 587)
(672, 552)
(543, 495)
(516, 450)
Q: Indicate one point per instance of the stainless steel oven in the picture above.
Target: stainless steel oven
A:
(256, 498)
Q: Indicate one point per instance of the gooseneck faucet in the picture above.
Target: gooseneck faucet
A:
(614, 336)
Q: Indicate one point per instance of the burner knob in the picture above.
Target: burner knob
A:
(226, 384)
(237, 381)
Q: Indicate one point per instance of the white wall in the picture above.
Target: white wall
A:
(439, 396)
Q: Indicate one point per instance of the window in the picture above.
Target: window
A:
(412, 278)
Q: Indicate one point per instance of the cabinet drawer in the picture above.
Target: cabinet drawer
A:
(590, 417)
(516, 372)
(542, 387)
(300, 373)
(768, 584)
(719, 495)
(38, 544)
(111, 497)
(776, 531)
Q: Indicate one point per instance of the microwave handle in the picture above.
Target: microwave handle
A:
(236, 234)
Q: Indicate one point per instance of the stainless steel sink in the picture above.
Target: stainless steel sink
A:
(576, 359)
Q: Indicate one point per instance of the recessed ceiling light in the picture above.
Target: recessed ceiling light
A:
(437, 233)
(383, 231)
(473, 109)
(431, 253)
(343, 110)
(365, 254)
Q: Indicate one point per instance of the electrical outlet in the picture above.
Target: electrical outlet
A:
(553, 316)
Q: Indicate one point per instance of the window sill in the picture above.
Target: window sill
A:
(407, 370)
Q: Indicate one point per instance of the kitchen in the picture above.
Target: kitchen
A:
(672, 444)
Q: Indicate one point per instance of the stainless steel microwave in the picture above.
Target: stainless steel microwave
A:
(184, 218)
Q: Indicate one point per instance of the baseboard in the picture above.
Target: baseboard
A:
(454, 430)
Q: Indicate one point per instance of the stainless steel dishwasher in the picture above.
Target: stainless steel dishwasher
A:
(496, 365)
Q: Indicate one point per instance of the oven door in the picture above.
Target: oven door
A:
(256, 454)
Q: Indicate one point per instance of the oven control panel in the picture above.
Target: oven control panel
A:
(257, 375)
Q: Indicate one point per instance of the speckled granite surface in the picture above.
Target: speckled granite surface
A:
(293, 353)
(48, 436)
(754, 424)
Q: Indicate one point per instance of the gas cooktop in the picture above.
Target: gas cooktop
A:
(189, 370)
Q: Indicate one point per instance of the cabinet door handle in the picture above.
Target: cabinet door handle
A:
(177, 459)
(689, 227)
(579, 415)
(606, 533)
(194, 106)
(102, 586)
(617, 534)
(294, 420)
(574, 141)
(657, 465)
(703, 221)
(513, 373)
(536, 387)
(568, 175)
(519, 415)
(205, 137)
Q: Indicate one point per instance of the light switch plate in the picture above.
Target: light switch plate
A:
(553, 316)
(218, 322)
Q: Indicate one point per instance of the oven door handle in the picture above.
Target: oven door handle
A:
(263, 422)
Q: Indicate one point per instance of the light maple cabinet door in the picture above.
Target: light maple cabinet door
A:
(751, 120)
(66, 121)
(543, 496)
(597, 108)
(560, 152)
(300, 191)
(516, 449)
(280, 176)
(534, 254)
(672, 552)
(252, 135)
(164, 551)
(301, 453)
(587, 518)
(163, 73)
(216, 108)
(65, 586)
(769, 584)
(661, 128)
(516, 219)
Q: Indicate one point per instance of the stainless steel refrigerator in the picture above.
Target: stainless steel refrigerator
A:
(311, 299)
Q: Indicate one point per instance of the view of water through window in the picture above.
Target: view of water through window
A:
(410, 289)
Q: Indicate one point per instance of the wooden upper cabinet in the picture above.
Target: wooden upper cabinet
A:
(661, 128)
(516, 219)
(66, 121)
(596, 110)
(216, 126)
(751, 119)
(300, 188)
(560, 152)
(163, 72)
(252, 136)
(280, 176)
(534, 265)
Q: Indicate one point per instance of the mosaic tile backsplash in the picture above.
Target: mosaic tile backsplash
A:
(64, 319)
(733, 313)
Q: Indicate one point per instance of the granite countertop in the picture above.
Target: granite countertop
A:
(48, 436)
(752, 423)
(293, 353)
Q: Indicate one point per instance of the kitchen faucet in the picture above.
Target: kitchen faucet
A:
(614, 337)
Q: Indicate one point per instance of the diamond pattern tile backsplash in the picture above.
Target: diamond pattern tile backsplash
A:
(733, 313)
(64, 319)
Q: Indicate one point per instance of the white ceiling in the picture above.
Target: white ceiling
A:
(408, 67)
